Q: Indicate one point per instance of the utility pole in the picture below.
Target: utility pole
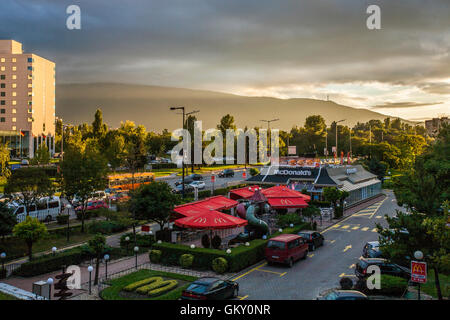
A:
(337, 150)
(268, 130)
(184, 126)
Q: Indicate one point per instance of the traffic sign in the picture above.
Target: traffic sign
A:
(213, 178)
(145, 228)
(418, 271)
(244, 174)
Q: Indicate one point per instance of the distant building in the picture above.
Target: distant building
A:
(434, 125)
(27, 100)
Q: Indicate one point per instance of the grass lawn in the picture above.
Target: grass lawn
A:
(113, 292)
(430, 288)
(4, 296)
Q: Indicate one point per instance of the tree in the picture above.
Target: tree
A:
(114, 148)
(7, 220)
(30, 230)
(98, 246)
(310, 212)
(99, 129)
(32, 183)
(154, 202)
(227, 122)
(4, 159)
(42, 155)
(82, 173)
(332, 194)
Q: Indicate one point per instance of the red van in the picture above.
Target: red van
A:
(286, 248)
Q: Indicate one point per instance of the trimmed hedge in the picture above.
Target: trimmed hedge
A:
(135, 285)
(62, 218)
(155, 256)
(168, 286)
(106, 227)
(142, 240)
(186, 260)
(239, 258)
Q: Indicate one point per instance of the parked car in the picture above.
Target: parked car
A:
(186, 181)
(93, 205)
(200, 185)
(385, 266)
(190, 178)
(211, 289)
(344, 295)
(313, 238)
(120, 197)
(372, 250)
(187, 188)
(226, 173)
(286, 248)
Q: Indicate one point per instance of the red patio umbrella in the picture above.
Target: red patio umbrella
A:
(211, 219)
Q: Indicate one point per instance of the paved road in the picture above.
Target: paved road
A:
(324, 267)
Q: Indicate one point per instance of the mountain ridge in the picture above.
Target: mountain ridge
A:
(149, 105)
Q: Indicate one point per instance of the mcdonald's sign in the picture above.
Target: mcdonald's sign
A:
(418, 271)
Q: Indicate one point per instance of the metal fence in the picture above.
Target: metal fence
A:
(11, 267)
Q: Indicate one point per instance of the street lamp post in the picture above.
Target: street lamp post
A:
(136, 249)
(337, 150)
(68, 221)
(54, 251)
(127, 242)
(182, 160)
(419, 256)
(3, 256)
(268, 131)
(50, 283)
(90, 269)
(106, 257)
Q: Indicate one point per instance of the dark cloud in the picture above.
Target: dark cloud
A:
(405, 105)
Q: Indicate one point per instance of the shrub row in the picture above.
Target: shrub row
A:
(164, 165)
(106, 227)
(239, 258)
(142, 240)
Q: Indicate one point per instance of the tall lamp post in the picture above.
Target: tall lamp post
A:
(337, 150)
(419, 256)
(50, 283)
(127, 242)
(68, 207)
(90, 269)
(106, 257)
(136, 249)
(54, 249)
(268, 131)
(3, 256)
(184, 125)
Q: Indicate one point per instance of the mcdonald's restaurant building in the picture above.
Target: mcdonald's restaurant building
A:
(358, 182)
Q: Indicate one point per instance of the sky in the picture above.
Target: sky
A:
(283, 48)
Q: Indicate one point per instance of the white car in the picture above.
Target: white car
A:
(200, 185)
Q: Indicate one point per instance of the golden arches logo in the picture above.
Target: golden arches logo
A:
(286, 201)
(200, 220)
(418, 268)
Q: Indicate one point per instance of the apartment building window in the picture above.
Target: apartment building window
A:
(14, 68)
(30, 85)
(14, 110)
(14, 85)
(14, 102)
(2, 85)
(2, 102)
(14, 128)
(2, 94)
(2, 110)
(14, 119)
(2, 68)
(30, 60)
(30, 119)
(30, 68)
(14, 77)
(2, 77)
(14, 94)
(2, 119)
(2, 59)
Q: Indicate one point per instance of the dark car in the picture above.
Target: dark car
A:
(226, 173)
(187, 188)
(386, 267)
(189, 179)
(211, 289)
(372, 250)
(344, 295)
(313, 238)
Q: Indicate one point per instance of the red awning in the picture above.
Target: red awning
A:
(212, 203)
(285, 203)
(243, 193)
(284, 192)
(211, 220)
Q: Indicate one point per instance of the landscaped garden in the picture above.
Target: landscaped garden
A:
(147, 285)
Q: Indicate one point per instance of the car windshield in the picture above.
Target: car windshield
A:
(198, 288)
(90, 204)
(277, 245)
(304, 235)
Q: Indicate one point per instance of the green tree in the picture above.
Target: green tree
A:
(4, 159)
(99, 129)
(332, 194)
(30, 230)
(42, 155)
(97, 245)
(154, 202)
(7, 220)
(82, 173)
(31, 183)
(310, 212)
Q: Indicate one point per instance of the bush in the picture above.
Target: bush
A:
(254, 171)
(216, 242)
(133, 286)
(155, 256)
(62, 218)
(220, 265)
(168, 286)
(205, 241)
(49, 263)
(186, 260)
(106, 227)
(284, 220)
(390, 286)
(320, 204)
